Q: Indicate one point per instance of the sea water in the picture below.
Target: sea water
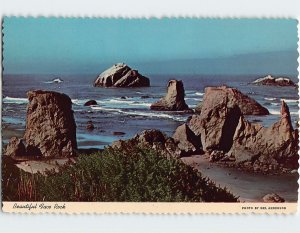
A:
(128, 109)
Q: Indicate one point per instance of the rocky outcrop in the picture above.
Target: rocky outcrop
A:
(272, 81)
(50, 127)
(227, 136)
(121, 75)
(174, 99)
(273, 198)
(160, 142)
(217, 123)
(90, 102)
(273, 146)
(90, 126)
(187, 141)
(50, 124)
(247, 105)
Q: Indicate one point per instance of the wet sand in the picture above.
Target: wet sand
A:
(250, 187)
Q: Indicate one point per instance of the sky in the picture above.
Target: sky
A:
(87, 45)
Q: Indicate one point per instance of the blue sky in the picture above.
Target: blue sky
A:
(57, 45)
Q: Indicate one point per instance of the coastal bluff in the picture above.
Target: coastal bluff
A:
(121, 75)
(50, 127)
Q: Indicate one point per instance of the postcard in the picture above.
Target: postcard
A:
(170, 115)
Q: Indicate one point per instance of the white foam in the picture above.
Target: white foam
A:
(199, 93)
(271, 99)
(14, 100)
(139, 113)
(56, 80)
(275, 112)
(290, 100)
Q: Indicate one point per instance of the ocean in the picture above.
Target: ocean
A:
(128, 109)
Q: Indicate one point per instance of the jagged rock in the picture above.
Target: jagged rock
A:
(153, 139)
(216, 124)
(15, 148)
(90, 102)
(277, 144)
(174, 99)
(50, 125)
(272, 81)
(187, 141)
(121, 75)
(247, 105)
(90, 126)
(273, 198)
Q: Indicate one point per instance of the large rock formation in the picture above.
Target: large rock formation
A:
(277, 144)
(217, 122)
(50, 126)
(247, 105)
(224, 131)
(272, 81)
(121, 75)
(15, 148)
(174, 99)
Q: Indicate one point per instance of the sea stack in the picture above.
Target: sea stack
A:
(174, 99)
(224, 131)
(247, 105)
(50, 126)
(272, 81)
(121, 75)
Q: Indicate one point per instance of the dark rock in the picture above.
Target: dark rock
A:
(272, 81)
(15, 148)
(153, 139)
(119, 133)
(187, 141)
(50, 124)
(90, 102)
(90, 126)
(216, 124)
(123, 97)
(247, 105)
(216, 156)
(121, 75)
(174, 99)
(145, 97)
(273, 198)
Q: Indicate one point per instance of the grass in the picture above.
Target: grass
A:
(133, 175)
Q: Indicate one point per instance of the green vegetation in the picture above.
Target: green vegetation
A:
(135, 174)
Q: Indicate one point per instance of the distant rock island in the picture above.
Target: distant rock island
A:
(272, 81)
(121, 75)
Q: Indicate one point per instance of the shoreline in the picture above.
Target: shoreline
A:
(241, 183)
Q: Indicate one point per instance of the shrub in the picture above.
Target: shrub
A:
(133, 175)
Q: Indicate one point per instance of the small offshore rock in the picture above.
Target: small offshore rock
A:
(273, 198)
(119, 133)
(90, 102)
